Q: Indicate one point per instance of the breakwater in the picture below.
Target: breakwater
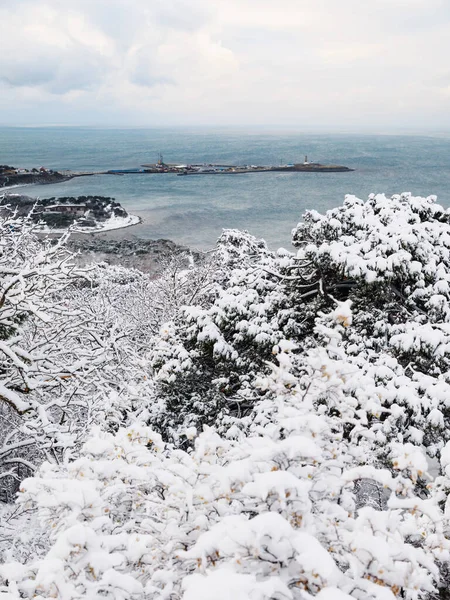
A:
(219, 169)
(13, 177)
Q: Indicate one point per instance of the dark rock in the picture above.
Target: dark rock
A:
(149, 256)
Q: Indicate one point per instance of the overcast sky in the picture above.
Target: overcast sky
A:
(342, 64)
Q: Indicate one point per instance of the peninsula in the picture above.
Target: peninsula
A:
(83, 214)
(11, 176)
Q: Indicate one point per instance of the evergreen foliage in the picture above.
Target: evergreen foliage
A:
(264, 425)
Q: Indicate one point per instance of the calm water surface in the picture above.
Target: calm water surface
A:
(194, 210)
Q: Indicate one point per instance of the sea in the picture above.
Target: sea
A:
(194, 210)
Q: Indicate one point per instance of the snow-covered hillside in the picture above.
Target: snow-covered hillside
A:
(258, 426)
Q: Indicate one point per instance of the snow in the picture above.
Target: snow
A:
(110, 224)
(285, 435)
(343, 313)
(332, 593)
(11, 396)
(281, 483)
(224, 584)
(445, 458)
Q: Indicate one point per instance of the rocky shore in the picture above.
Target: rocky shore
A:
(11, 179)
(148, 256)
(54, 215)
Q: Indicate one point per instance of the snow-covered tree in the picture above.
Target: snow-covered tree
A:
(295, 439)
(62, 356)
(388, 258)
(73, 340)
(268, 512)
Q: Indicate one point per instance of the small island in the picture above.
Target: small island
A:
(83, 214)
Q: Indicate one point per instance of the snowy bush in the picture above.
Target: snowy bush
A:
(378, 256)
(269, 513)
(284, 434)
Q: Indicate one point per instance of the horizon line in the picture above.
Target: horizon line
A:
(323, 130)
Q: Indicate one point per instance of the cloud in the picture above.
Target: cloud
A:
(54, 50)
(236, 61)
(180, 58)
(181, 15)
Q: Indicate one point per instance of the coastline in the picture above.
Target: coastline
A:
(49, 178)
(147, 256)
(83, 215)
(24, 179)
(124, 223)
(121, 247)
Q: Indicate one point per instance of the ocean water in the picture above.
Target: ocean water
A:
(194, 210)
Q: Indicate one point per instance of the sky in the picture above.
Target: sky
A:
(323, 64)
